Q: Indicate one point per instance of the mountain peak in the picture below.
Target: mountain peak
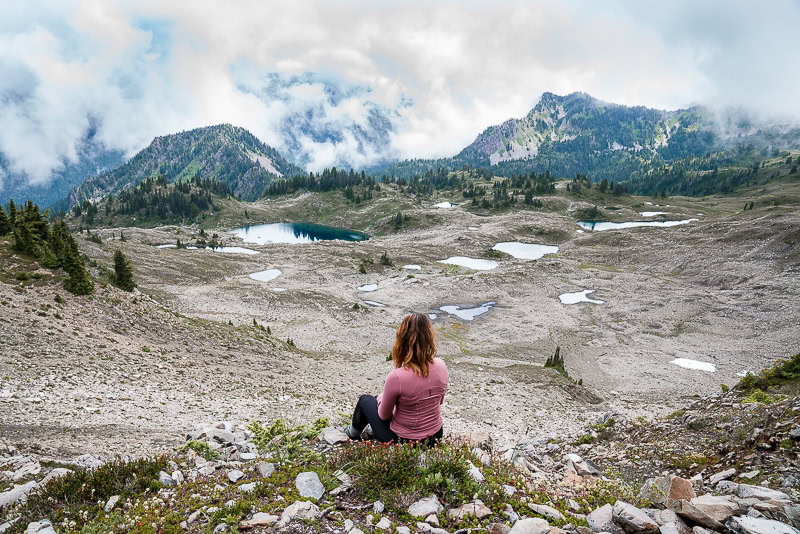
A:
(223, 152)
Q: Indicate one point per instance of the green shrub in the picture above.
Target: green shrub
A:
(59, 299)
(22, 276)
(202, 448)
(394, 473)
(758, 396)
(284, 443)
(781, 372)
(76, 495)
(145, 348)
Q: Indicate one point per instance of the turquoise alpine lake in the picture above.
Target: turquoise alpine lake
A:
(295, 233)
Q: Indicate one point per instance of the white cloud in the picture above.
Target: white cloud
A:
(147, 68)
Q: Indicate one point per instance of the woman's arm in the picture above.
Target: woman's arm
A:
(391, 391)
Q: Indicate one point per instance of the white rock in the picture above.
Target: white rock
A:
(753, 525)
(384, 523)
(722, 475)
(745, 491)
(299, 510)
(247, 488)
(378, 507)
(55, 473)
(403, 530)
(332, 436)
(547, 511)
(424, 507)
(265, 469)
(235, 475)
(259, 519)
(632, 519)
(531, 525)
(111, 503)
(475, 472)
(308, 484)
(348, 525)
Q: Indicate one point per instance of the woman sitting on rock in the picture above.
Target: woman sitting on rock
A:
(409, 407)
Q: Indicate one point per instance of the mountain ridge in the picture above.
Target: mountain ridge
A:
(224, 152)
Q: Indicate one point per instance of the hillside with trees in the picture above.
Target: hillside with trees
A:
(223, 153)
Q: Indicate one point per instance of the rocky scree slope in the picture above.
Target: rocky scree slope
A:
(225, 153)
(229, 477)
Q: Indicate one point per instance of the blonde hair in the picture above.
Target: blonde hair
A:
(415, 344)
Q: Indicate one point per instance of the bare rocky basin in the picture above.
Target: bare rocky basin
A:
(127, 373)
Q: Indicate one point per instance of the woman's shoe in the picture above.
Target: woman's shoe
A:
(352, 433)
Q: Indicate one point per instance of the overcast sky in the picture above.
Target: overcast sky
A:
(441, 71)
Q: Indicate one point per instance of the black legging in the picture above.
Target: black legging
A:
(366, 412)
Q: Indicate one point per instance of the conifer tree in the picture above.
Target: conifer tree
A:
(123, 272)
(12, 212)
(5, 224)
(80, 281)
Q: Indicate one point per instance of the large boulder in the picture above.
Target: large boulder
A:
(632, 519)
(692, 514)
(602, 520)
(755, 525)
(722, 475)
(667, 489)
(476, 508)
(716, 506)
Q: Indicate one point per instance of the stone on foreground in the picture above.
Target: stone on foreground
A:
(691, 513)
(384, 524)
(754, 525)
(531, 525)
(111, 503)
(722, 475)
(425, 507)
(259, 519)
(746, 491)
(308, 484)
(18, 493)
(332, 435)
(477, 509)
(235, 475)
(298, 510)
(632, 519)
(716, 506)
(547, 511)
(55, 473)
(667, 489)
(582, 467)
(403, 530)
(602, 520)
(265, 469)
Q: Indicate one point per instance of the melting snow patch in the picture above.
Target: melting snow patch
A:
(266, 276)
(374, 304)
(578, 231)
(579, 296)
(471, 263)
(652, 213)
(368, 287)
(694, 365)
(233, 250)
(412, 267)
(525, 251)
(432, 316)
(445, 205)
(172, 245)
(279, 289)
(467, 314)
(605, 225)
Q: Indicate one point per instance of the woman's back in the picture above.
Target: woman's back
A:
(413, 401)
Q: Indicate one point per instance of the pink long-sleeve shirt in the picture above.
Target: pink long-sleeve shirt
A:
(413, 402)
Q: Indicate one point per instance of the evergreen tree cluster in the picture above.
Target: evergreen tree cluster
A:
(51, 243)
(156, 198)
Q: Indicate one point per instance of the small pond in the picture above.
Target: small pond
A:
(525, 251)
(579, 296)
(694, 365)
(471, 263)
(600, 226)
(266, 276)
(295, 233)
(467, 314)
